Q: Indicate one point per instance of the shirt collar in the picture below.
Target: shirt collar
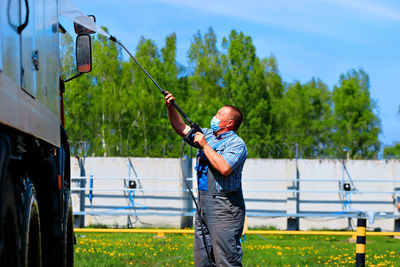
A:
(224, 135)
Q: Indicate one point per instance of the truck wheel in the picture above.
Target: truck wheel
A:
(9, 233)
(31, 237)
(69, 231)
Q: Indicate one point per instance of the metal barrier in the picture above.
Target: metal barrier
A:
(121, 210)
(270, 198)
(249, 232)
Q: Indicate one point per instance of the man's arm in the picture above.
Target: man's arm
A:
(216, 160)
(176, 121)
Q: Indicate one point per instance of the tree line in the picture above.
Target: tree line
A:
(393, 151)
(117, 110)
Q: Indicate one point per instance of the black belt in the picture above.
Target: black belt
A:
(223, 194)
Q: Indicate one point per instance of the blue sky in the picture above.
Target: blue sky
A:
(313, 38)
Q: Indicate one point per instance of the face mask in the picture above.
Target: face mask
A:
(214, 124)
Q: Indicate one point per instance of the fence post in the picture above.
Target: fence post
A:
(297, 222)
(397, 209)
(82, 194)
(397, 225)
(187, 221)
(361, 242)
(293, 223)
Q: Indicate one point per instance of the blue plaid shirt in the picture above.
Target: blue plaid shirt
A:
(234, 151)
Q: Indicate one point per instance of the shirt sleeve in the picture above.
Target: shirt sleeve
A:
(235, 154)
(205, 130)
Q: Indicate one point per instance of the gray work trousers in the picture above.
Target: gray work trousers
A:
(223, 215)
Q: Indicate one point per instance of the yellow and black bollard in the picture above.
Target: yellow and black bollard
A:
(361, 241)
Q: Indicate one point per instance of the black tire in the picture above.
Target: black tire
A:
(69, 231)
(9, 231)
(31, 237)
(10, 254)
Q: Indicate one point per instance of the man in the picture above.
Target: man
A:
(219, 176)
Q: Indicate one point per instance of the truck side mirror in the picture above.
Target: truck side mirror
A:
(85, 24)
(83, 53)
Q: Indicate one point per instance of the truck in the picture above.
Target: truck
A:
(36, 219)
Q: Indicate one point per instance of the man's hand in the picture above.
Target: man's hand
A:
(168, 99)
(200, 139)
(176, 121)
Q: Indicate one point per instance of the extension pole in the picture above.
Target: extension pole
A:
(361, 242)
(112, 38)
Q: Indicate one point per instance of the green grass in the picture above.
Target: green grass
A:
(95, 249)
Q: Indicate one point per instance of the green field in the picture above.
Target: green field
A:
(114, 249)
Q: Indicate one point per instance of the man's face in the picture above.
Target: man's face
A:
(224, 114)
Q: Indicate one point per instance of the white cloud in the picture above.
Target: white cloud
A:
(319, 17)
(289, 14)
(372, 8)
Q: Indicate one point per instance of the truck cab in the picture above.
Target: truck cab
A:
(36, 220)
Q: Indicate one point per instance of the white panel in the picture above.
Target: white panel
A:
(37, 115)
(50, 53)
(22, 112)
(28, 47)
(10, 42)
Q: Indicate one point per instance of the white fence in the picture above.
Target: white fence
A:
(273, 192)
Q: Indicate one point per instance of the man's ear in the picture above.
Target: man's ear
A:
(231, 124)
